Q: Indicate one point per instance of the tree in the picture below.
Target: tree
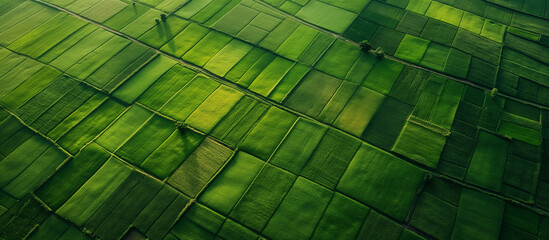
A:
(156, 20)
(181, 126)
(379, 53)
(494, 92)
(163, 17)
(365, 45)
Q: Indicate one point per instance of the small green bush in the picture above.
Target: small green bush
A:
(365, 45)
(379, 53)
(494, 92)
(181, 126)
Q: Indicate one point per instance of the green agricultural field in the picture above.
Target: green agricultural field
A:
(274, 119)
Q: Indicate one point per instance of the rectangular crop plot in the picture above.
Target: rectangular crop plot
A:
(342, 219)
(439, 32)
(200, 167)
(32, 86)
(276, 37)
(306, 198)
(339, 59)
(359, 111)
(384, 129)
(18, 74)
(118, 212)
(447, 104)
(233, 230)
(185, 40)
(382, 181)
(120, 67)
(444, 13)
(493, 30)
(77, 115)
(409, 85)
(204, 50)
(383, 14)
(236, 124)
(198, 221)
(479, 216)
(267, 80)
(434, 215)
(412, 23)
(143, 79)
(17, 9)
(26, 25)
(166, 86)
(172, 152)
(91, 126)
(263, 197)
(457, 63)
(236, 19)
(435, 57)
(338, 101)
(421, 142)
(472, 22)
(214, 108)
(83, 204)
(263, 139)
(163, 32)
(298, 146)
(41, 39)
(52, 228)
(330, 159)
(288, 82)
(82, 48)
(147, 138)
(412, 48)
(104, 10)
(383, 75)
(326, 16)
(488, 163)
(67, 43)
(297, 42)
(40, 103)
(58, 190)
(353, 6)
(228, 57)
(36, 173)
(125, 16)
(521, 129)
(29, 165)
(378, 226)
(477, 46)
(141, 24)
(225, 191)
(313, 93)
(124, 127)
(186, 100)
(316, 49)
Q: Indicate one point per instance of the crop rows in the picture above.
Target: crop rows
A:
(249, 120)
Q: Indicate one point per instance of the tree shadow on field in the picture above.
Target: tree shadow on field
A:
(166, 34)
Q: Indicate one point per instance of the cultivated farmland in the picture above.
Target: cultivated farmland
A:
(274, 119)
